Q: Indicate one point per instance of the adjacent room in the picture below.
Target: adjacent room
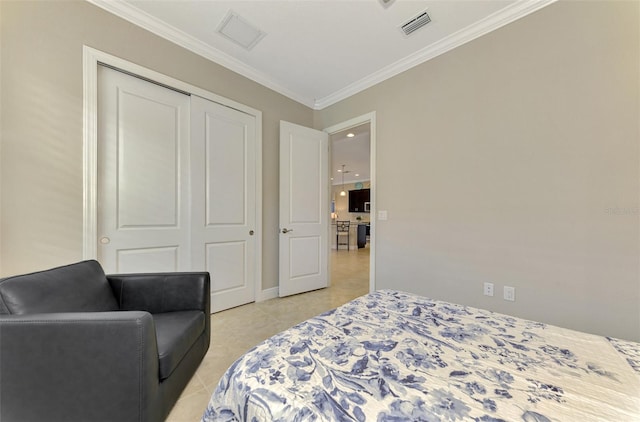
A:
(461, 180)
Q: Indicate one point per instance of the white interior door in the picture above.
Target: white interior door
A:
(143, 175)
(304, 213)
(224, 238)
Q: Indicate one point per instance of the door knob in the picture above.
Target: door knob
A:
(105, 240)
(286, 230)
(250, 232)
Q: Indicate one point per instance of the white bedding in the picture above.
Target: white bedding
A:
(393, 356)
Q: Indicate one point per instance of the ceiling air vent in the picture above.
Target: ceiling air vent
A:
(416, 23)
(240, 31)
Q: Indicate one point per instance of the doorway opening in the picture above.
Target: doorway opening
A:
(352, 197)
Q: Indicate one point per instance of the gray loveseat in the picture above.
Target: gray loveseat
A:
(78, 345)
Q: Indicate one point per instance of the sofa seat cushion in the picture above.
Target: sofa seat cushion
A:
(176, 332)
(79, 287)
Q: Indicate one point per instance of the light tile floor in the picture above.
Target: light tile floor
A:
(236, 330)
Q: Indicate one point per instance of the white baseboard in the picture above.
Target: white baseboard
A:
(267, 294)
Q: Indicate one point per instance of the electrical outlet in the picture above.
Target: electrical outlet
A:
(488, 289)
(510, 293)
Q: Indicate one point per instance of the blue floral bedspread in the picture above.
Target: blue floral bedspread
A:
(393, 356)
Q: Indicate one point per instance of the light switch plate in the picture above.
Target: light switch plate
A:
(382, 215)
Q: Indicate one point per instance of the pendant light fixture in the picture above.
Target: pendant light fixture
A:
(343, 192)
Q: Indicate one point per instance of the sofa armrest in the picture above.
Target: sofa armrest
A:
(162, 292)
(102, 366)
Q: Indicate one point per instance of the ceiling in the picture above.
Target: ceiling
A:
(354, 152)
(319, 52)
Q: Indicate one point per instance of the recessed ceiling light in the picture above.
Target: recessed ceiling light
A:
(339, 171)
(357, 175)
(350, 135)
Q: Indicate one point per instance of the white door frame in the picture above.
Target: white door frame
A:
(91, 58)
(357, 121)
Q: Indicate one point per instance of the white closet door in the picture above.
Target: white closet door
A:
(223, 160)
(143, 175)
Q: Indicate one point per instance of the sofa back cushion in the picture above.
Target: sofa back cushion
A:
(79, 287)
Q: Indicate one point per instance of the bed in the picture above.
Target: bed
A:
(395, 356)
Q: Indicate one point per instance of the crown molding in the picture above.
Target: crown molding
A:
(492, 22)
(154, 25)
(497, 20)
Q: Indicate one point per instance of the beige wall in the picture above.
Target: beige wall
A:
(524, 142)
(41, 98)
(525, 146)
